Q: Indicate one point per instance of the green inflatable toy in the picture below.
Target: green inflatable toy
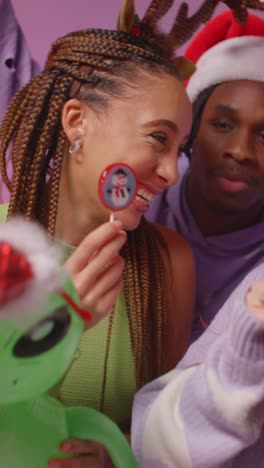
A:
(39, 336)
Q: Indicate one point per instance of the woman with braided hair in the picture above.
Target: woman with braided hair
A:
(109, 97)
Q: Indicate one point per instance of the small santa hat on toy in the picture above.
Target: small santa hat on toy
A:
(30, 270)
(226, 51)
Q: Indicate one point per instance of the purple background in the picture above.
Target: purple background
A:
(43, 21)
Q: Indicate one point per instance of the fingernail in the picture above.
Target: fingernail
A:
(123, 233)
(118, 224)
(66, 446)
(54, 464)
(102, 456)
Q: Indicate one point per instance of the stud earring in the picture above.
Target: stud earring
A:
(75, 146)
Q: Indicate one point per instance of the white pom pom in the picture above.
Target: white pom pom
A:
(44, 256)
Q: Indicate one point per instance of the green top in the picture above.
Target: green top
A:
(82, 385)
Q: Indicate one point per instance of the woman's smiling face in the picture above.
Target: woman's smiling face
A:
(144, 131)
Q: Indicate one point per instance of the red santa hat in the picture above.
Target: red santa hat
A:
(226, 51)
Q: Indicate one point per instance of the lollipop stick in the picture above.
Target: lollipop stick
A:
(112, 217)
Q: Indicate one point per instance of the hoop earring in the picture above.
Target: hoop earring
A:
(75, 146)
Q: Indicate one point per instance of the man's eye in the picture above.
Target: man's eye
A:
(221, 124)
(160, 137)
(261, 136)
(181, 150)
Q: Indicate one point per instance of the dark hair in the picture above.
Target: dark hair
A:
(198, 108)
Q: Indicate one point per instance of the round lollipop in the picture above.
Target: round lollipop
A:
(117, 187)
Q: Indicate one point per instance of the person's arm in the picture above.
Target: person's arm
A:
(206, 415)
(17, 66)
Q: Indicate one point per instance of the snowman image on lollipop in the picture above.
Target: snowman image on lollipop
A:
(117, 187)
(120, 189)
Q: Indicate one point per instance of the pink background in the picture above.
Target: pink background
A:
(43, 21)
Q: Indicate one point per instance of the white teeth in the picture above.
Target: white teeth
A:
(146, 195)
(141, 200)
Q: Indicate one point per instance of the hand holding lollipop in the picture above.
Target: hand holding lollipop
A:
(96, 266)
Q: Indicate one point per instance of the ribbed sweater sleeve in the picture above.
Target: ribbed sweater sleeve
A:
(208, 415)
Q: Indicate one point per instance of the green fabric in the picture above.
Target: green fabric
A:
(3, 212)
(82, 384)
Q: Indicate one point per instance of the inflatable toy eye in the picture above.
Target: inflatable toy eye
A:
(44, 335)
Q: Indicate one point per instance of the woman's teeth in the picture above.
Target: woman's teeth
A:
(144, 197)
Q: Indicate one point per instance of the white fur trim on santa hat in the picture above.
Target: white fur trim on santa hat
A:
(240, 58)
(31, 240)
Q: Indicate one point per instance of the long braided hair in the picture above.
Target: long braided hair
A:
(97, 66)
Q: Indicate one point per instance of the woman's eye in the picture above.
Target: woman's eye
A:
(160, 137)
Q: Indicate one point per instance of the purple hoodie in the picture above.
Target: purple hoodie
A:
(16, 64)
(221, 261)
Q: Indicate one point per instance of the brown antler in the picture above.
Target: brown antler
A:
(184, 27)
(253, 4)
(126, 17)
(239, 8)
(156, 11)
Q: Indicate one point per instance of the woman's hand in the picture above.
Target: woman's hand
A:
(96, 269)
(84, 455)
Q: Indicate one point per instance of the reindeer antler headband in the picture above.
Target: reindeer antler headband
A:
(140, 38)
(184, 26)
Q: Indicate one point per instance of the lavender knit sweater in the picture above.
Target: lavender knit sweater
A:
(209, 411)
